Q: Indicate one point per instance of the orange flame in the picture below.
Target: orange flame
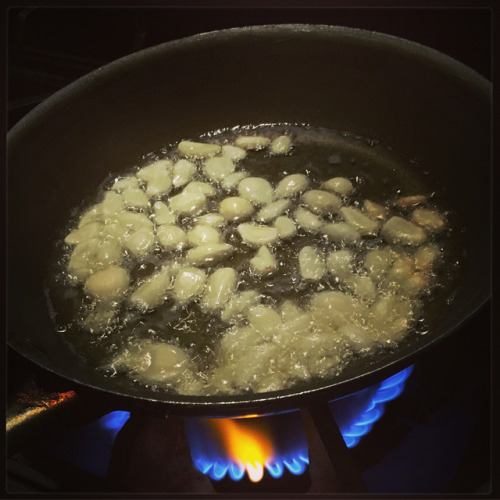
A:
(246, 442)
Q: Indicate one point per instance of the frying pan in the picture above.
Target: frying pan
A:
(426, 106)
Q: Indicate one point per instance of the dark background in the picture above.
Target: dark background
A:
(49, 47)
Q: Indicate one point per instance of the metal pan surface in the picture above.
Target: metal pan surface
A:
(424, 105)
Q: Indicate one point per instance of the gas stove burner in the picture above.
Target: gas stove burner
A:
(257, 447)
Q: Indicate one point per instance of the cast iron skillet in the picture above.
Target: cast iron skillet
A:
(430, 108)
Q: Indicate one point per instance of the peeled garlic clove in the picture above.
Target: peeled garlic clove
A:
(402, 268)
(114, 231)
(358, 337)
(112, 204)
(321, 350)
(264, 319)
(340, 263)
(220, 286)
(210, 219)
(291, 185)
(140, 242)
(171, 237)
(378, 262)
(167, 363)
(334, 307)
(235, 207)
(153, 291)
(183, 172)
(188, 202)
(269, 212)
(415, 284)
(107, 285)
(285, 226)
(239, 304)
(160, 184)
(189, 283)
(232, 180)
(135, 198)
(281, 145)
(311, 263)
(149, 172)
(200, 187)
(308, 220)
(409, 201)
(218, 167)
(125, 183)
(163, 214)
(203, 235)
(362, 286)
(133, 220)
(234, 153)
(358, 220)
(264, 262)
(401, 231)
(198, 149)
(339, 185)
(390, 318)
(341, 232)
(91, 215)
(375, 210)
(205, 255)
(295, 320)
(109, 253)
(321, 202)
(254, 234)
(256, 189)
(237, 339)
(252, 142)
(430, 220)
(424, 257)
(84, 233)
(82, 260)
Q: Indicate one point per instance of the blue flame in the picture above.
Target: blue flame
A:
(217, 469)
(114, 421)
(203, 465)
(295, 465)
(210, 457)
(276, 469)
(236, 472)
(355, 414)
(90, 447)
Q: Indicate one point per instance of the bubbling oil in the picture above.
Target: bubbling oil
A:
(101, 334)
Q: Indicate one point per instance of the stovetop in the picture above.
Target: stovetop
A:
(434, 438)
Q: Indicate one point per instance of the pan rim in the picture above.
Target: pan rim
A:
(460, 69)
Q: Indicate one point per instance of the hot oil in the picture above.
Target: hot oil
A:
(377, 173)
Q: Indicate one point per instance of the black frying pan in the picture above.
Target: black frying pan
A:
(426, 106)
